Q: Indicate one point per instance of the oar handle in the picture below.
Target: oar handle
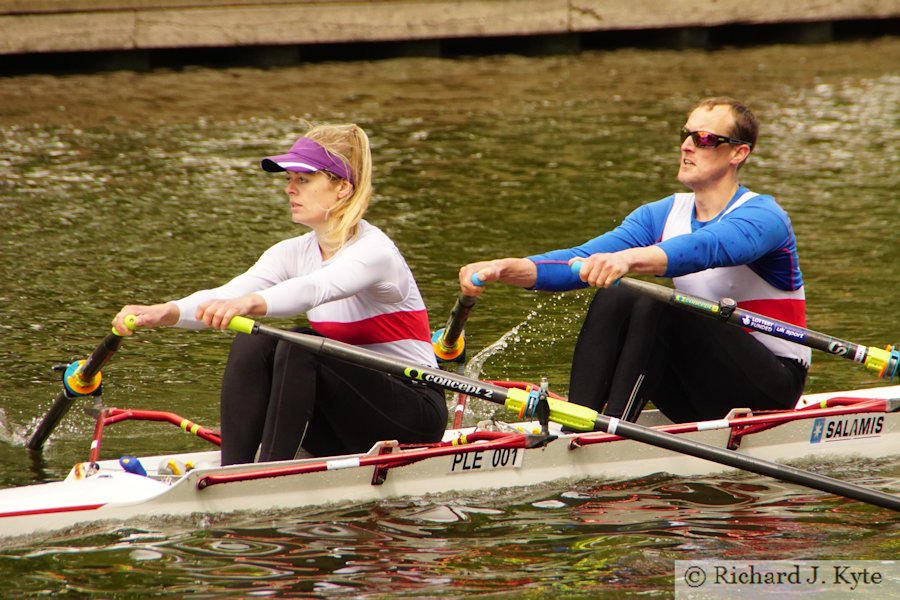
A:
(242, 325)
(130, 323)
(576, 268)
(884, 363)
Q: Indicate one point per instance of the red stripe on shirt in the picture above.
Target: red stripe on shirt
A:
(787, 310)
(391, 327)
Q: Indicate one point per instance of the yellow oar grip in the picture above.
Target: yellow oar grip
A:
(565, 413)
(878, 360)
(130, 323)
(241, 324)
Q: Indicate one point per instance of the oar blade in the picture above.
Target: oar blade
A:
(48, 423)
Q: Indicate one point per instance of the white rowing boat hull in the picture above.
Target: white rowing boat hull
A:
(113, 494)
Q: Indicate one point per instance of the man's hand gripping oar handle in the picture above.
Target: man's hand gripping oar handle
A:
(82, 378)
(884, 363)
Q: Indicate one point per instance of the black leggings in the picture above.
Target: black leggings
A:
(690, 366)
(279, 397)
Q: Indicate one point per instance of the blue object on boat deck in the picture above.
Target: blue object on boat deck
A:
(132, 465)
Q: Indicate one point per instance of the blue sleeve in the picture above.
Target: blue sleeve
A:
(744, 236)
(643, 227)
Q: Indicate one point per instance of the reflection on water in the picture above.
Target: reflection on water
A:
(121, 187)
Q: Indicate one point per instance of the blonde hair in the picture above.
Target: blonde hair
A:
(349, 144)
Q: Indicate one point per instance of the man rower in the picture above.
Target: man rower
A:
(720, 240)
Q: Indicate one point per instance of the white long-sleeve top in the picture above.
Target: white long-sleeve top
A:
(363, 295)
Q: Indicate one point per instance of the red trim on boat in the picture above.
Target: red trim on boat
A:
(744, 426)
(486, 440)
(49, 511)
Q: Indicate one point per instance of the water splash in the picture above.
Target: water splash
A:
(473, 367)
(6, 435)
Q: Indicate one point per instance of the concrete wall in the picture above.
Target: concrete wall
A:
(44, 26)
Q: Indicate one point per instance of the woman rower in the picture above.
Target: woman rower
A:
(354, 286)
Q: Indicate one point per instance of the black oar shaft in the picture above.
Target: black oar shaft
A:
(57, 411)
(875, 359)
(91, 367)
(566, 413)
(101, 355)
(572, 415)
(457, 321)
(448, 343)
(759, 466)
(382, 362)
(744, 318)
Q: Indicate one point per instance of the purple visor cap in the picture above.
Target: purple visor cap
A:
(307, 156)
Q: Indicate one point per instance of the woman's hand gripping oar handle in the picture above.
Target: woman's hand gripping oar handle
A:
(449, 343)
(884, 363)
(81, 378)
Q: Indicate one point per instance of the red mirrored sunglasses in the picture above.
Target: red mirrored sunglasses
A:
(707, 139)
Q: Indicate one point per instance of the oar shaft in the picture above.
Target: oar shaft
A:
(572, 415)
(100, 356)
(883, 362)
(457, 321)
(85, 373)
(448, 343)
(382, 362)
(759, 466)
(57, 411)
(565, 413)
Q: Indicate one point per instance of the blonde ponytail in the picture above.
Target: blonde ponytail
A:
(350, 144)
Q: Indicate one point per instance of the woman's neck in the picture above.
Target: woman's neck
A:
(329, 247)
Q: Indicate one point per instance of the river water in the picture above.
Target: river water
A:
(139, 187)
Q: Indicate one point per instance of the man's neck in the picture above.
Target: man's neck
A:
(709, 202)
